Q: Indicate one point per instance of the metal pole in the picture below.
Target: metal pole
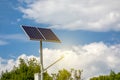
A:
(41, 60)
(54, 63)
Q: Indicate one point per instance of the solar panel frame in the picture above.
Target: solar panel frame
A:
(40, 34)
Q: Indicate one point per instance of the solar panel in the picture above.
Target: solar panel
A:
(32, 33)
(40, 34)
(49, 35)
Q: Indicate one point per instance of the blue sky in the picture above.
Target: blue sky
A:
(74, 22)
(12, 18)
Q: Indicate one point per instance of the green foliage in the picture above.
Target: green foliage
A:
(25, 71)
(111, 76)
(47, 76)
(63, 75)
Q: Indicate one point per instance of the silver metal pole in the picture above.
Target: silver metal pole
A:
(41, 60)
(54, 63)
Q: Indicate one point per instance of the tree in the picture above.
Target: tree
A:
(111, 76)
(25, 71)
(67, 75)
(63, 75)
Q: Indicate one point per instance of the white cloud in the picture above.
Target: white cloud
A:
(93, 15)
(5, 37)
(94, 59)
(3, 42)
(13, 36)
(6, 64)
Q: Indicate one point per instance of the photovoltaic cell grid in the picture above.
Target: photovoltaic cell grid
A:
(32, 32)
(40, 34)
